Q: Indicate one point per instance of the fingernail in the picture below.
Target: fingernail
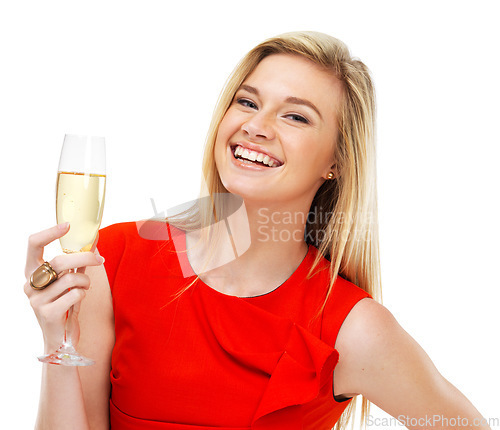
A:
(63, 226)
(100, 259)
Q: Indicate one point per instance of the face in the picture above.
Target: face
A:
(283, 115)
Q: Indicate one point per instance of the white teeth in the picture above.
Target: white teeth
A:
(254, 156)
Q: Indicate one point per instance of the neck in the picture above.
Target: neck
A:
(265, 247)
(276, 228)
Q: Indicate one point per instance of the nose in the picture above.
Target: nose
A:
(259, 126)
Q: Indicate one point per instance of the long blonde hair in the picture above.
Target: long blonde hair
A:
(348, 235)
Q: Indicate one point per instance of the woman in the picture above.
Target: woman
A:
(254, 308)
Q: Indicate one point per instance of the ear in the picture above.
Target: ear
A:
(333, 170)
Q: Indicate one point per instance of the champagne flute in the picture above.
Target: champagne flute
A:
(81, 185)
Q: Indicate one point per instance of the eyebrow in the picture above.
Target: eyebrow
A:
(291, 100)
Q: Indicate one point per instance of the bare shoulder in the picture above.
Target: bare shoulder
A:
(372, 345)
(366, 311)
(368, 325)
(369, 335)
(381, 361)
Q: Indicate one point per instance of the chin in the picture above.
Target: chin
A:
(248, 193)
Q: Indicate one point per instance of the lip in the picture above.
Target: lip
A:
(246, 166)
(257, 148)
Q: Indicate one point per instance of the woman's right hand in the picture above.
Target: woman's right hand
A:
(52, 303)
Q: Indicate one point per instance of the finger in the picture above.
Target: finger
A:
(76, 309)
(65, 262)
(71, 298)
(57, 309)
(38, 241)
(57, 288)
(94, 250)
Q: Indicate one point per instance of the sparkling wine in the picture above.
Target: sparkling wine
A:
(80, 201)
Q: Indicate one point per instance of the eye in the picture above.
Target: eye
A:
(298, 118)
(247, 103)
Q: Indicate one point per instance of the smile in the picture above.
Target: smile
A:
(256, 158)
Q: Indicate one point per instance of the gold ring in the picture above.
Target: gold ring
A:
(43, 276)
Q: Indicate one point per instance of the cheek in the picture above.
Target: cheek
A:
(229, 124)
(315, 154)
(325, 144)
(223, 138)
(223, 133)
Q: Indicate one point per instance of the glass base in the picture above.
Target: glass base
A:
(66, 356)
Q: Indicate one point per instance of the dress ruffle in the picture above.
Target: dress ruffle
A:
(298, 364)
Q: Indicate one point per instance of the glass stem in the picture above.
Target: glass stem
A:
(68, 326)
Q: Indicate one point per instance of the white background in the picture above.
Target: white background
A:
(146, 75)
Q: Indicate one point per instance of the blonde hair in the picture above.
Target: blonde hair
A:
(348, 235)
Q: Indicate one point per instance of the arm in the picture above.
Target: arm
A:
(97, 341)
(71, 397)
(381, 361)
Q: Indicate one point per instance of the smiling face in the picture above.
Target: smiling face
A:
(285, 116)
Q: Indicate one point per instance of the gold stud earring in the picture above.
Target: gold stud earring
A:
(330, 175)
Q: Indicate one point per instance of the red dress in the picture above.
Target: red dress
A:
(213, 361)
